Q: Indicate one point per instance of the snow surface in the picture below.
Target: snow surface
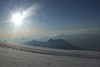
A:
(19, 55)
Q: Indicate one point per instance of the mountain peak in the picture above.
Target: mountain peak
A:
(44, 39)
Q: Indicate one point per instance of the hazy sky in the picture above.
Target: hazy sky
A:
(50, 17)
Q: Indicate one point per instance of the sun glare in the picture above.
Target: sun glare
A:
(17, 18)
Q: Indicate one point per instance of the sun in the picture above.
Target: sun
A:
(17, 18)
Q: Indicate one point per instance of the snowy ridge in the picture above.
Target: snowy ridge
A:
(49, 51)
(19, 55)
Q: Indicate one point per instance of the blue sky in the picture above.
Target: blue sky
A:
(52, 17)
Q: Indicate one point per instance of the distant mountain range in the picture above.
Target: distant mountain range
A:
(54, 43)
(83, 41)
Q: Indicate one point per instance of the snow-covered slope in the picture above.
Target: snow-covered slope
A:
(19, 55)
